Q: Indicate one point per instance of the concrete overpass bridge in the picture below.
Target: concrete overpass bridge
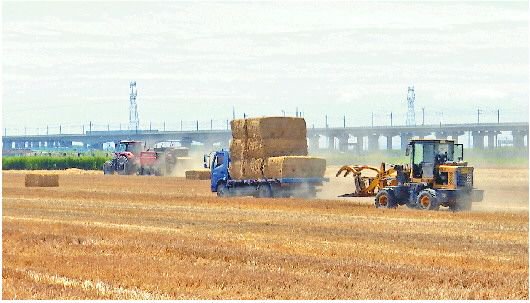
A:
(342, 139)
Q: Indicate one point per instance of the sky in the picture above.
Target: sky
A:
(70, 63)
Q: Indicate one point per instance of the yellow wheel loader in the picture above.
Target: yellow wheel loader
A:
(436, 176)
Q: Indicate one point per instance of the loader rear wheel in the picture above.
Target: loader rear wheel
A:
(385, 199)
(463, 204)
(427, 200)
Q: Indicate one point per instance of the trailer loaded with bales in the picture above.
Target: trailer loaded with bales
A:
(267, 158)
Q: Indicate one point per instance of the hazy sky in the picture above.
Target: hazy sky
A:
(70, 63)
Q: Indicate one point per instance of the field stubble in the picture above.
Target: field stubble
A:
(137, 237)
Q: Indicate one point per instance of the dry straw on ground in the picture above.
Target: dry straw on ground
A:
(41, 180)
(115, 237)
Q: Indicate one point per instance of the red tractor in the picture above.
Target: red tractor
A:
(131, 158)
(125, 160)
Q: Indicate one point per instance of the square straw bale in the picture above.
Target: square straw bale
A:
(239, 128)
(198, 174)
(264, 148)
(294, 166)
(42, 180)
(237, 148)
(276, 128)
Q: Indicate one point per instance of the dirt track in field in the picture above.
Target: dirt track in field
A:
(116, 237)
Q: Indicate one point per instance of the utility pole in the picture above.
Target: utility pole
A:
(372, 119)
(478, 115)
(164, 125)
(197, 125)
(47, 129)
(390, 118)
(90, 127)
(344, 121)
(150, 126)
(423, 116)
(108, 127)
(326, 121)
(60, 129)
(233, 113)
(297, 112)
(180, 125)
(211, 124)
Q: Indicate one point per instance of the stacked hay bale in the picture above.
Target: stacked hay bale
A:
(198, 174)
(258, 141)
(42, 180)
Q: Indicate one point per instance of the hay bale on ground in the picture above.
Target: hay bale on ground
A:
(198, 174)
(276, 128)
(42, 180)
(264, 148)
(239, 128)
(294, 166)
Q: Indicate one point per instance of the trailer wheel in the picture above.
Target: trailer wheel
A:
(385, 199)
(222, 190)
(427, 200)
(264, 191)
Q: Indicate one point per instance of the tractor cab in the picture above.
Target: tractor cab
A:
(430, 158)
(134, 147)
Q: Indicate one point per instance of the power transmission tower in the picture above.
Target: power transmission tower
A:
(133, 108)
(411, 97)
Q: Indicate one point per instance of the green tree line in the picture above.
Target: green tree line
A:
(50, 163)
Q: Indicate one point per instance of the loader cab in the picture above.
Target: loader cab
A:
(427, 155)
(218, 164)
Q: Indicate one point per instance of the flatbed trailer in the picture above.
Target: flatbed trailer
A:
(225, 186)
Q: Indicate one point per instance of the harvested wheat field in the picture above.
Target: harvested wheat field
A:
(138, 237)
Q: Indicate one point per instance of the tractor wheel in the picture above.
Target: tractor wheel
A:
(385, 199)
(222, 190)
(427, 200)
(107, 168)
(122, 165)
(264, 191)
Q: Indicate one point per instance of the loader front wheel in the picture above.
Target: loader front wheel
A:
(385, 199)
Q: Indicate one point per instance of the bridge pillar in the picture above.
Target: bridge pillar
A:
(359, 146)
(373, 142)
(491, 139)
(19, 144)
(389, 142)
(330, 140)
(454, 137)
(518, 138)
(405, 138)
(343, 142)
(313, 142)
(478, 139)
